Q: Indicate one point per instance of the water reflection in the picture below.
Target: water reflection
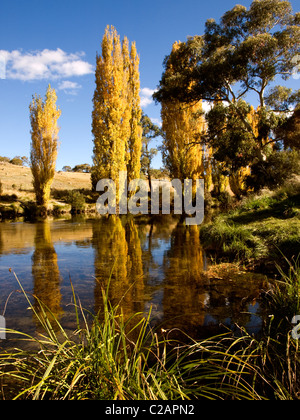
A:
(146, 263)
(184, 295)
(118, 260)
(45, 272)
(198, 298)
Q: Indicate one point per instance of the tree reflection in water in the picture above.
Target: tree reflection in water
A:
(150, 262)
(45, 272)
(118, 260)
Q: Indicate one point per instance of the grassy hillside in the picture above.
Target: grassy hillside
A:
(17, 188)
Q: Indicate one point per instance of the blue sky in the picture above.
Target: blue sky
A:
(56, 42)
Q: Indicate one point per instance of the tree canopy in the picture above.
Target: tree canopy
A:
(243, 54)
(44, 143)
(116, 113)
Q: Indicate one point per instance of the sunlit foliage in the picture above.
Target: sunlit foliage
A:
(44, 144)
(117, 113)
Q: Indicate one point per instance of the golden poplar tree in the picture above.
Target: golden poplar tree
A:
(116, 113)
(182, 150)
(134, 147)
(109, 110)
(44, 143)
(182, 128)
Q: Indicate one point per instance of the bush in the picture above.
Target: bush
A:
(274, 172)
(76, 200)
(17, 161)
(225, 200)
(9, 198)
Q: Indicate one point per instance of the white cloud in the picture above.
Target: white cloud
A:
(45, 64)
(146, 96)
(70, 88)
(156, 121)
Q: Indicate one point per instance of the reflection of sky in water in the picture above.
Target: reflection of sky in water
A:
(171, 259)
(158, 253)
(253, 326)
(156, 270)
(21, 264)
(255, 322)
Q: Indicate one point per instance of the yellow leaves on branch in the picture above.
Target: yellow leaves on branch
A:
(182, 129)
(116, 113)
(183, 125)
(44, 143)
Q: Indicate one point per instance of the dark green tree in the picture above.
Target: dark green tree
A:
(150, 131)
(67, 168)
(241, 54)
(289, 131)
(84, 167)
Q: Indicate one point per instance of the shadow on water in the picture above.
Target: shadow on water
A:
(156, 263)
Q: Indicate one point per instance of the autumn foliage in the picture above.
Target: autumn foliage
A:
(182, 128)
(116, 113)
(44, 143)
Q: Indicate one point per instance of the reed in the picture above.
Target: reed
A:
(126, 359)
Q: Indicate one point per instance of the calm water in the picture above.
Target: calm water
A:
(160, 265)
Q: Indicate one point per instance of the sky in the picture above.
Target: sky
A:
(56, 42)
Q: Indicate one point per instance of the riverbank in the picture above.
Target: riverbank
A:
(262, 230)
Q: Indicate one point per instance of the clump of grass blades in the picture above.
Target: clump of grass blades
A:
(230, 240)
(280, 351)
(118, 358)
(102, 361)
(284, 297)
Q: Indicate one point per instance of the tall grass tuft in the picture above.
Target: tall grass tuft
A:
(123, 359)
(230, 240)
(120, 358)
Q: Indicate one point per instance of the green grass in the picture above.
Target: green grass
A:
(126, 359)
(260, 230)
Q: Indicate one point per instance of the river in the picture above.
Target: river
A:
(158, 264)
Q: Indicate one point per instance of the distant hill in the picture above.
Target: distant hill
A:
(18, 180)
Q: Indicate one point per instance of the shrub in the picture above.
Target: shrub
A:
(225, 199)
(17, 161)
(275, 170)
(76, 200)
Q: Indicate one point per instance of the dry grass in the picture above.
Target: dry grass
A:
(18, 180)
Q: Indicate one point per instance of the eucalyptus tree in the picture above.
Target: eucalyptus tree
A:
(245, 53)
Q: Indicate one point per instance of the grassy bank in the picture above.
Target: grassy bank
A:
(126, 359)
(261, 230)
